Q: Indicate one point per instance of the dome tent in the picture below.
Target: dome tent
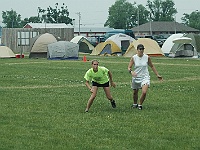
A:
(38, 45)
(107, 48)
(84, 45)
(117, 44)
(168, 44)
(151, 47)
(132, 49)
(178, 45)
(182, 48)
(195, 40)
(6, 52)
(98, 49)
(122, 41)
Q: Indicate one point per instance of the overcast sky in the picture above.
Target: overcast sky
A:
(93, 12)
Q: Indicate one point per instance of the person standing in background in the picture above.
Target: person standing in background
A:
(140, 75)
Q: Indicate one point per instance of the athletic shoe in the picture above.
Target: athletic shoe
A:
(134, 106)
(113, 103)
(140, 107)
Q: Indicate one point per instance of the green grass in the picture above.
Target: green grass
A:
(42, 105)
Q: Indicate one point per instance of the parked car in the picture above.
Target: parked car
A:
(144, 36)
(100, 38)
(117, 31)
(161, 38)
(95, 39)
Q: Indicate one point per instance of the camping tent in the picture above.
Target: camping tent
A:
(167, 45)
(62, 50)
(151, 47)
(121, 40)
(110, 48)
(115, 45)
(98, 49)
(183, 48)
(106, 48)
(38, 45)
(6, 52)
(195, 40)
(84, 45)
(132, 49)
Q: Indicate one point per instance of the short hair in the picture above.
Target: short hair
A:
(140, 46)
(94, 60)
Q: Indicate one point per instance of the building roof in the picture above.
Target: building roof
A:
(92, 29)
(164, 26)
(47, 25)
(63, 25)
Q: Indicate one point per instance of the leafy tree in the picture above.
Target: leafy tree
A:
(191, 19)
(55, 15)
(161, 10)
(120, 14)
(124, 15)
(143, 14)
(33, 19)
(11, 19)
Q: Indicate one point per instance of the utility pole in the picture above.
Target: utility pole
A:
(73, 22)
(45, 22)
(138, 21)
(150, 28)
(150, 25)
(12, 18)
(138, 18)
(79, 22)
(175, 25)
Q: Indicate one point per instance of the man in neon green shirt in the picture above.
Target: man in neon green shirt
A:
(100, 77)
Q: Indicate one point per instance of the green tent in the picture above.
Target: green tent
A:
(195, 40)
(186, 49)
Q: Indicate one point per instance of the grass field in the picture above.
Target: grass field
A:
(42, 105)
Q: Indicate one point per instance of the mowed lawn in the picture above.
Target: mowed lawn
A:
(42, 105)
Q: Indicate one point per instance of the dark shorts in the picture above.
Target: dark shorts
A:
(100, 85)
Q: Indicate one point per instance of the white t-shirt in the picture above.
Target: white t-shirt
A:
(141, 68)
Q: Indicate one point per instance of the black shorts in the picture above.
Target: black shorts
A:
(100, 85)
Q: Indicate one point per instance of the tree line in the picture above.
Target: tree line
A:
(122, 15)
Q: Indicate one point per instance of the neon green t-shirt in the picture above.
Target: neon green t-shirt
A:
(101, 76)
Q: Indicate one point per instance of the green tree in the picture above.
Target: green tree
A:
(143, 14)
(124, 15)
(118, 15)
(161, 10)
(11, 19)
(191, 19)
(33, 19)
(55, 15)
